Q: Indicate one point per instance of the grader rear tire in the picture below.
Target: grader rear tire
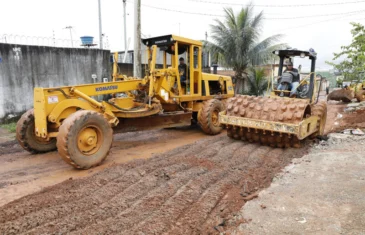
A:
(84, 139)
(26, 136)
(208, 117)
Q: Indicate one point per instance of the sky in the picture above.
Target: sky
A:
(323, 25)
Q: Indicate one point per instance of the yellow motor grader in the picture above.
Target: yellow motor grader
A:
(278, 120)
(81, 127)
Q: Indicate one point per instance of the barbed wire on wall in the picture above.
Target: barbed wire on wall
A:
(48, 41)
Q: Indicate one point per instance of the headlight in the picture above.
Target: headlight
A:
(302, 55)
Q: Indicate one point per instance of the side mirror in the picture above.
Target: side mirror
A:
(300, 68)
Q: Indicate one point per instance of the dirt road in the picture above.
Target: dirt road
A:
(188, 187)
(22, 173)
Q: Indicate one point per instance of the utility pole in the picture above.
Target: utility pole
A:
(70, 28)
(137, 68)
(54, 38)
(100, 30)
(125, 29)
(206, 51)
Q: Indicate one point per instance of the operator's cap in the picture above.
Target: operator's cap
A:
(289, 63)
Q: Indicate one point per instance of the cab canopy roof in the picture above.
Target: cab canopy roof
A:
(291, 53)
(167, 40)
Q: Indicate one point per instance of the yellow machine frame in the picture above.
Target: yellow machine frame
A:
(53, 105)
(301, 130)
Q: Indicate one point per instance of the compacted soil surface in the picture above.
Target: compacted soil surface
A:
(176, 181)
(192, 189)
(321, 193)
(22, 173)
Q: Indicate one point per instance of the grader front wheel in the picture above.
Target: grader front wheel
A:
(84, 139)
(26, 136)
(208, 116)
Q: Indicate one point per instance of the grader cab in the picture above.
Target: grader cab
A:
(81, 127)
(278, 120)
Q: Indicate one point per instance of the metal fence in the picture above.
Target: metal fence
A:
(47, 41)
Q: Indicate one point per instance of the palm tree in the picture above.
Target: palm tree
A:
(236, 43)
(257, 81)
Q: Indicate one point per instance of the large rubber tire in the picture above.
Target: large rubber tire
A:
(320, 110)
(208, 116)
(26, 136)
(69, 139)
(360, 96)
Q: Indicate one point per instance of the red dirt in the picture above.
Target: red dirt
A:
(22, 173)
(186, 188)
(189, 190)
(347, 121)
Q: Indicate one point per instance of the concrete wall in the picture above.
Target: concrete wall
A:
(24, 67)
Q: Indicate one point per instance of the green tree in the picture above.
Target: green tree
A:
(235, 43)
(353, 64)
(257, 81)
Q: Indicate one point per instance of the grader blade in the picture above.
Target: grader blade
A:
(166, 120)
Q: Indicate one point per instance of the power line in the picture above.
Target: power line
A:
(317, 22)
(281, 5)
(270, 18)
(185, 12)
(323, 15)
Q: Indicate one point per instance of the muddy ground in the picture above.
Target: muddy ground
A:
(22, 173)
(188, 187)
(191, 189)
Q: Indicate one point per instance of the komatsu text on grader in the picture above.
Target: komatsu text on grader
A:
(275, 120)
(81, 127)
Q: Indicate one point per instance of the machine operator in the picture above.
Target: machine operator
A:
(296, 78)
(182, 70)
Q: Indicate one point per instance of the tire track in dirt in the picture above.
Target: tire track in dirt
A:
(103, 187)
(111, 208)
(116, 195)
(201, 208)
(250, 178)
(99, 181)
(188, 190)
(24, 174)
(192, 187)
(142, 209)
